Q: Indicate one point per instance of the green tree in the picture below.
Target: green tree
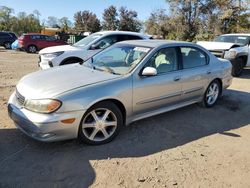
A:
(158, 24)
(129, 20)
(187, 13)
(87, 21)
(65, 23)
(5, 17)
(53, 22)
(110, 20)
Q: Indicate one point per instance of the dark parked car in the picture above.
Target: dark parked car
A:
(6, 39)
(34, 42)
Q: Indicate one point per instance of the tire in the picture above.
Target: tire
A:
(238, 66)
(212, 94)
(32, 49)
(92, 129)
(7, 45)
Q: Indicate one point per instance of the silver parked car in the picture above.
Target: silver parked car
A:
(126, 82)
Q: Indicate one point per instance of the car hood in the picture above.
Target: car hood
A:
(59, 48)
(52, 82)
(216, 45)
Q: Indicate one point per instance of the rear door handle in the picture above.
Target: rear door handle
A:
(209, 72)
(177, 78)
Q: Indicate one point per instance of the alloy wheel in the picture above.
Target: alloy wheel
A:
(99, 124)
(212, 93)
(32, 49)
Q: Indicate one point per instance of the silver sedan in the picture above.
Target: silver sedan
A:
(126, 82)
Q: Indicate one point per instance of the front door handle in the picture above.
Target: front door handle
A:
(209, 72)
(177, 78)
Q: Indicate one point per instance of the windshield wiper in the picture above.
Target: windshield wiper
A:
(107, 68)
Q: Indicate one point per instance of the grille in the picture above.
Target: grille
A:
(218, 53)
(20, 99)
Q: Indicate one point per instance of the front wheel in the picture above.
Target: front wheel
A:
(100, 124)
(238, 66)
(212, 94)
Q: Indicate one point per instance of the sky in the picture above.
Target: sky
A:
(67, 8)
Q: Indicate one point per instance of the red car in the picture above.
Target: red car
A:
(34, 42)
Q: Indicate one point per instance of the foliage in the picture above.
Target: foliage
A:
(65, 23)
(87, 21)
(200, 19)
(53, 22)
(110, 20)
(158, 24)
(128, 20)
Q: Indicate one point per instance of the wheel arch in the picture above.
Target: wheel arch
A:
(70, 58)
(220, 82)
(118, 103)
(244, 58)
(27, 48)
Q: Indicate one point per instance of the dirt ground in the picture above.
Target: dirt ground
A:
(189, 147)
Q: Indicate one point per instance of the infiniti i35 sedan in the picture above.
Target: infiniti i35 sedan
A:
(128, 81)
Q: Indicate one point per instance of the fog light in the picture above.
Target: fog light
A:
(50, 64)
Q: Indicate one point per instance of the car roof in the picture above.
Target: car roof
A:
(122, 32)
(153, 43)
(6, 32)
(237, 34)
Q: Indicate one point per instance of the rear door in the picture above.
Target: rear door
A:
(50, 41)
(195, 72)
(37, 40)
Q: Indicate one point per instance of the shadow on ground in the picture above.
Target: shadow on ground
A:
(246, 73)
(28, 163)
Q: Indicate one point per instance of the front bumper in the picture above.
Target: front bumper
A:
(44, 63)
(45, 127)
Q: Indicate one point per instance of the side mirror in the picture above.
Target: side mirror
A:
(94, 47)
(149, 71)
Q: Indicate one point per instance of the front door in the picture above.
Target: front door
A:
(159, 91)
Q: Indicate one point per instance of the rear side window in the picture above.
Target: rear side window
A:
(106, 42)
(12, 35)
(35, 37)
(4, 35)
(193, 57)
(128, 37)
(50, 38)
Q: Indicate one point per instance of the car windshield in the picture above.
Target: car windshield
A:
(89, 39)
(242, 40)
(118, 59)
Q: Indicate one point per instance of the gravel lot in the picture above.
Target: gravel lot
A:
(189, 147)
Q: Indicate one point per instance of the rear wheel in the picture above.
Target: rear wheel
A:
(238, 66)
(212, 94)
(32, 49)
(100, 124)
(7, 45)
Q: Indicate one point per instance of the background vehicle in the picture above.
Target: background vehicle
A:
(234, 47)
(6, 39)
(34, 42)
(130, 80)
(85, 48)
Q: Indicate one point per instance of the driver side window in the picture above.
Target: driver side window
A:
(164, 61)
(106, 42)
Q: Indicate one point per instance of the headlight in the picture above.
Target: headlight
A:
(230, 54)
(43, 105)
(53, 55)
